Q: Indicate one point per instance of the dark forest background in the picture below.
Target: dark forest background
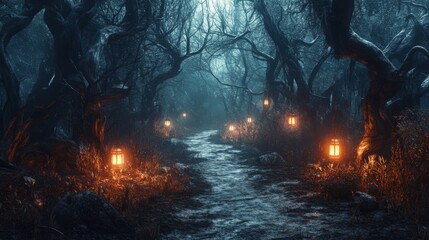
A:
(93, 74)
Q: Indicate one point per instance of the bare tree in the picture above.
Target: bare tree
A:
(177, 35)
(386, 80)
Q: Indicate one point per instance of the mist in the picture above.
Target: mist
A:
(214, 119)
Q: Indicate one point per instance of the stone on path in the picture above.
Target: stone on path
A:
(365, 202)
(271, 159)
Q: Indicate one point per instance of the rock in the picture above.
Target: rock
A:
(271, 158)
(87, 210)
(365, 202)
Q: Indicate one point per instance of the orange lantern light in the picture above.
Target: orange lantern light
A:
(249, 120)
(167, 123)
(118, 158)
(266, 103)
(292, 121)
(231, 128)
(334, 149)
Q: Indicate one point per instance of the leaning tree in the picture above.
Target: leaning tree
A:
(386, 80)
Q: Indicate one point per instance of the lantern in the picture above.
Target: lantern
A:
(167, 123)
(292, 120)
(184, 115)
(334, 148)
(249, 120)
(231, 128)
(266, 103)
(118, 158)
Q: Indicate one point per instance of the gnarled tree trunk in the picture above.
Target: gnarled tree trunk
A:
(13, 124)
(335, 17)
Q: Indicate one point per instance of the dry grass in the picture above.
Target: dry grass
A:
(294, 143)
(142, 178)
(333, 181)
(176, 129)
(24, 205)
(402, 180)
(243, 132)
(273, 133)
(19, 203)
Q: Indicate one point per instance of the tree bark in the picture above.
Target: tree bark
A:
(11, 125)
(335, 17)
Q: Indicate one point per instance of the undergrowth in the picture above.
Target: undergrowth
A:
(401, 180)
(28, 197)
(273, 133)
(333, 181)
(242, 132)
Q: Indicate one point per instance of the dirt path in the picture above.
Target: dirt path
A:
(238, 198)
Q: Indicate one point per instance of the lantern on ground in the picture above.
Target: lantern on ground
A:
(118, 158)
(334, 148)
(184, 115)
(231, 128)
(292, 121)
(167, 123)
(249, 120)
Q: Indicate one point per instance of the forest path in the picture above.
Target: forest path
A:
(245, 200)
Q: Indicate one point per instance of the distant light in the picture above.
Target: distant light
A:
(266, 102)
(249, 120)
(167, 123)
(184, 115)
(292, 121)
(231, 128)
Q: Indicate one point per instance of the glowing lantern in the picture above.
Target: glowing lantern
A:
(167, 123)
(184, 115)
(231, 128)
(292, 121)
(118, 158)
(334, 148)
(249, 120)
(266, 103)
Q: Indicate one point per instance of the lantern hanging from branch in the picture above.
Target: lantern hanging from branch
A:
(249, 120)
(292, 120)
(167, 123)
(334, 149)
(118, 158)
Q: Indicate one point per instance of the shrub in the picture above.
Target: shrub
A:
(333, 181)
(26, 201)
(296, 144)
(404, 179)
(243, 132)
(143, 177)
(90, 161)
